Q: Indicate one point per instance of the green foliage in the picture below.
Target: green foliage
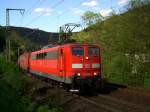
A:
(45, 108)
(11, 88)
(16, 43)
(81, 37)
(11, 74)
(128, 34)
(10, 99)
(90, 17)
(137, 3)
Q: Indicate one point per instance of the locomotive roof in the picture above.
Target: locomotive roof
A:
(57, 46)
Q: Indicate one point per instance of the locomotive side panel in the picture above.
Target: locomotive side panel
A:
(45, 61)
(50, 63)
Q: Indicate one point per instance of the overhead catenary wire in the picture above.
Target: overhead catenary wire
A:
(67, 11)
(77, 6)
(113, 8)
(30, 10)
(36, 18)
(58, 15)
(34, 30)
(1, 19)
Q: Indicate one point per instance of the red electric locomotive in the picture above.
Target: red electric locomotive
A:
(77, 65)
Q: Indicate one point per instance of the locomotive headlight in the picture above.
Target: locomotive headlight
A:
(95, 73)
(87, 57)
(78, 74)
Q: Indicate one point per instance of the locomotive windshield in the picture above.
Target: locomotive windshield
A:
(77, 51)
(93, 51)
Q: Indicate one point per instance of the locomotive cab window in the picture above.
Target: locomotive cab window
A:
(93, 51)
(77, 51)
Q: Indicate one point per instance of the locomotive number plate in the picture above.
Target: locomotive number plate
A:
(88, 74)
(87, 65)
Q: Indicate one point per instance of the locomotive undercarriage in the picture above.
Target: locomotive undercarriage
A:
(86, 84)
(79, 84)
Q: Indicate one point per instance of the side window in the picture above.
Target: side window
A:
(44, 55)
(77, 51)
(40, 56)
(93, 51)
(52, 55)
(33, 56)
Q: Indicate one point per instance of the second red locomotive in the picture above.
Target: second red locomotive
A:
(77, 65)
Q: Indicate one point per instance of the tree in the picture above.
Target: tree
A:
(137, 3)
(90, 17)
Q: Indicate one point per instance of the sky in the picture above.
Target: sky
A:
(49, 15)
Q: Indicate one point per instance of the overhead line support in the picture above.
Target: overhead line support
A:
(8, 43)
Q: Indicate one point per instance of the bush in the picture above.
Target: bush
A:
(45, 108)
(117, 68)
(11, 87)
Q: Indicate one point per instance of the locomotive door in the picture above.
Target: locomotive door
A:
(61, 69)
(78, 58)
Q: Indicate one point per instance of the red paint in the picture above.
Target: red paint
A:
(62, 65)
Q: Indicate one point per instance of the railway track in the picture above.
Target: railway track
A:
(108, 103)
(105, 103)
(138, 96)
(100, 106)
(100, 103)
